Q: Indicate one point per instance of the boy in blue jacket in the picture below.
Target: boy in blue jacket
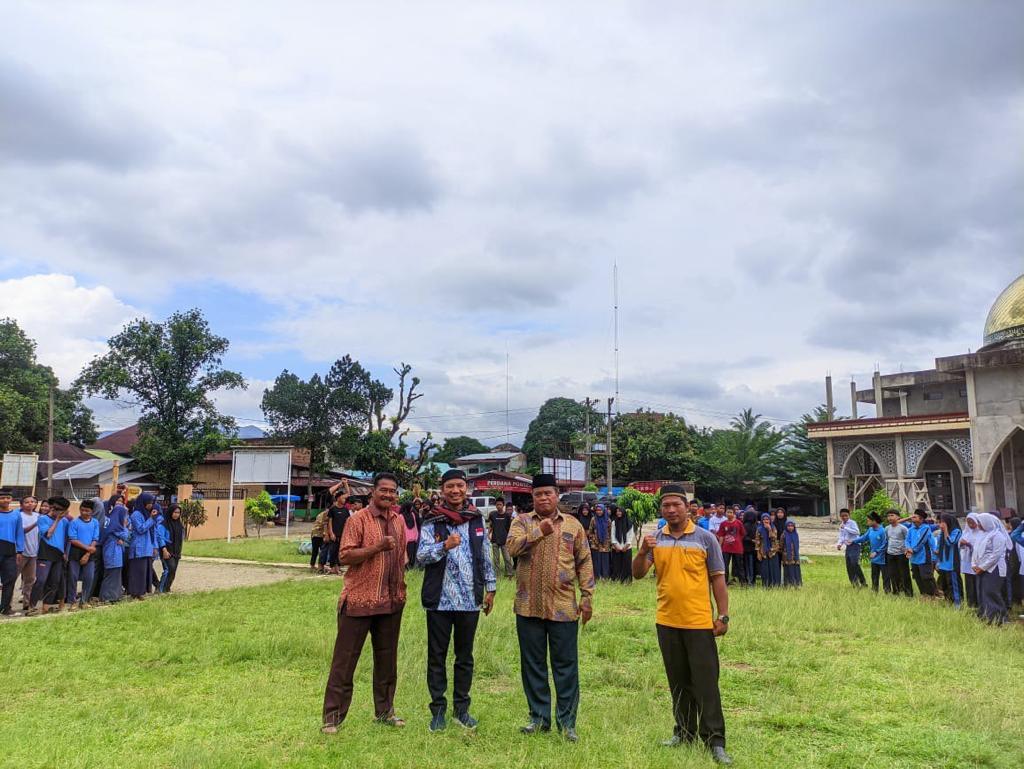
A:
(12, 545)
(84, 538)
(919, 551)
(877, 540)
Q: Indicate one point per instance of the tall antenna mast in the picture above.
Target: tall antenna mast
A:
(507, 433)
(615, 297)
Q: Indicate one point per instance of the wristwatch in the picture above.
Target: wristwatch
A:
(724, 618)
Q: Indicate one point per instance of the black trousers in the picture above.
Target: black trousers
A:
(8, 576)
(924, 578)
(536, 638)
(441, 626)
(383, 630)
(952, 589)
(853, 570)
(971, 590)
(734, 567)
(899, 574)
(750, 566)
(316, 543)
(880, 573)
(691, 664)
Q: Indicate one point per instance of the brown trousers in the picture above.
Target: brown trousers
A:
(28, 579)
(383, 630)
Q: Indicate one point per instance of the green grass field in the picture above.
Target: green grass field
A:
(270, 550)
(823, 677)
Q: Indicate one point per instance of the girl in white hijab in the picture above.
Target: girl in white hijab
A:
(972, 534)
(989, 564)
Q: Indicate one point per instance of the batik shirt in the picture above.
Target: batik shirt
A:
(549, 567)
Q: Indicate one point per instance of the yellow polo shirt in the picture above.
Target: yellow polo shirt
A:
(683, 567)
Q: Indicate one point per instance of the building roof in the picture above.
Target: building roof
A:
(889, 425)
(121, 442)
(1005, 321)
(491, 456)
(91, 468)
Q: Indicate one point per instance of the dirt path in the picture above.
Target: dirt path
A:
(196, 576)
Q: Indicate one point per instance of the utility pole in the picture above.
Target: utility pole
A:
(608, 450)
(586, 437)
(49, 447)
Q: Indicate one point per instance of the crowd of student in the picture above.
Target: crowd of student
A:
(105, 552)
(980, 566)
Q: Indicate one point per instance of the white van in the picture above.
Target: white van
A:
(485, 505)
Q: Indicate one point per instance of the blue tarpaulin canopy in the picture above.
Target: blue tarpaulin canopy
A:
(282, 497)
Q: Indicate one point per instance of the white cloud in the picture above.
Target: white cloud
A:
(69, 322)
(781, 185)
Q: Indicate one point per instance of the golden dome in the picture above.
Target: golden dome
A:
(1006, 318)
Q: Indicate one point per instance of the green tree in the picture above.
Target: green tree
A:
(170, 370)
(641, 507)
(319, 414)
(743, 459)
(259, 510)
(460, 446)
(803, 463)
(554, 432)
(193, 514)
(24, 398)
(652, 446)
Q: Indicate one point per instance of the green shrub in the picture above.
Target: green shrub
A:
(260, 509)
(642, 508)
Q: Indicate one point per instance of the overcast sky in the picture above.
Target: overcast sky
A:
(788, 189)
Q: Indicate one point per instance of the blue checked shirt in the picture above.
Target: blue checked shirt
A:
(457, 584)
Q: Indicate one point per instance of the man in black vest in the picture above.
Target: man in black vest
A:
(458, 580)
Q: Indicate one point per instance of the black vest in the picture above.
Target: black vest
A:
(433, 574)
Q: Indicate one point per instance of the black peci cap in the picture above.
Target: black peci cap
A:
(543, 480)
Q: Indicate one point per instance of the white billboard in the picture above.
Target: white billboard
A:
(565, 469)
(262, 466)
(19, 470)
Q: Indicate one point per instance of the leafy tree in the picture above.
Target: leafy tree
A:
(554, 431)
(170, 370)
(641, 507)
(651, 446)
(193, 514)
(459, 446)
(259, 510)
(320, 415)
(325, 415)
(744, 458)
(24, 398)
(590, 487)
(803, 462)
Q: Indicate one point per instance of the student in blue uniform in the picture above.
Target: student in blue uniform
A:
(144, 519)
(84, 537)
(12, 545)
(113, 542)
(791, 576)
(171, 534)
(53, 539)
(768, 549)
(919, 551)
(947, 558)
(877, 540)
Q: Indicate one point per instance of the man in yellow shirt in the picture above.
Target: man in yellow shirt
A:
(689, 567)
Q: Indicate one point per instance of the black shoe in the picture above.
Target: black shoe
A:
(437, 723)
(719, 756)
(570, 734)
(534, 727)
(466, 720)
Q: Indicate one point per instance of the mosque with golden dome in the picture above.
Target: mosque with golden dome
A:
(948, 439)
